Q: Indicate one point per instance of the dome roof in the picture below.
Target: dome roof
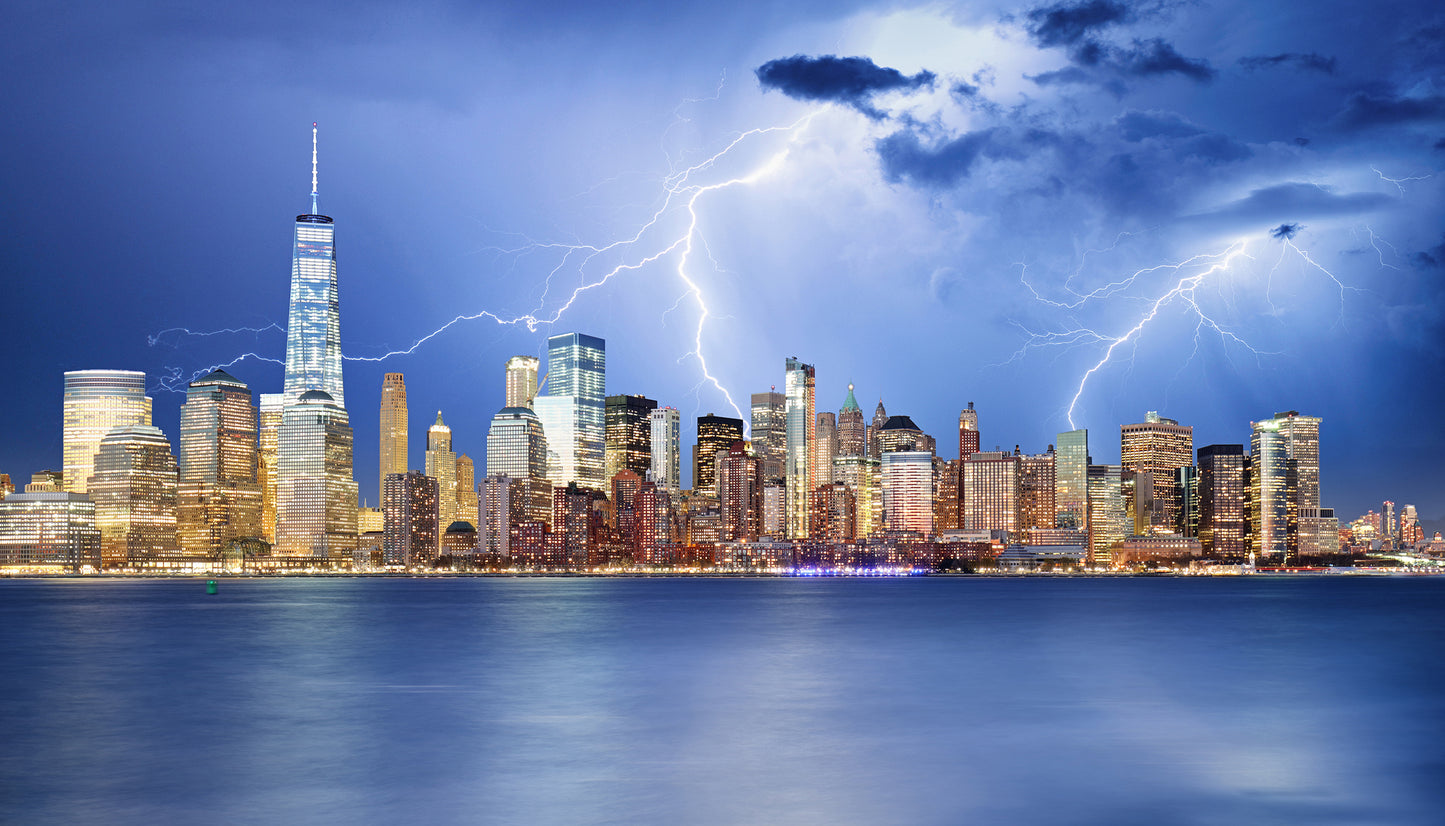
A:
(461, 526)
(900, 423)
(316, 396)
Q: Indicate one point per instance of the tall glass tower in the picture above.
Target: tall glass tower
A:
(1071, 480)
(97, 401)
(393, 429)
(573, 410)
(800, 457)
(313, 331)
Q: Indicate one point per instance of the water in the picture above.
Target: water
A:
(919, 701)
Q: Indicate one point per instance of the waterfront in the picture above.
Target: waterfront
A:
(608, 700)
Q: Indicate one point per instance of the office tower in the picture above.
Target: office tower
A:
(990, 491)
(219, 499)
(441, 465)
(315, 492)
(801, 454)
(1410, 530)
(573, 409)
(1159, 447)
(740, 493)
(1105, 515)
(313, 330)
(968, 432)
(947, 495)
(1071, 480)
(411, 529)
(521, 381)
(1387, 524)
(133, 485)
(498, 515)
(1038, 484)
(714, 434)
(466, 510)
(654, 531)
(827, 447)
(269, 424)
(516, 445)
(666, 448)
(628, 430)
(394, 429)
(863, 475)
(573, 525)
(1186, 487)
(1139, 504)
(371, 520)
(1222, 501)
(1284, 478)
(97, 401)
(880, 418)
(908, 491)
(50, 529)
(900, 433)
(1302, 438)
(770, 432)
(624, 494)
(775, 511)
(852, 430)
(832, 514)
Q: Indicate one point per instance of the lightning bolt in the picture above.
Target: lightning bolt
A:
(1400, 182)
(155, 338)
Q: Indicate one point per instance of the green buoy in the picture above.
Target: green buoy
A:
(210, 586)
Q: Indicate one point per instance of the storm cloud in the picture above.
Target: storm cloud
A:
(1309, 62)
(852, 81)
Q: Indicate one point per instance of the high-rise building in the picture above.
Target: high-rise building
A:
(968, 432)
(1038, 485)
(1159, 447)
(832, 514)
(498, 514)
(269, 424)
(908, 491)
(96, 402)
(990, 491)
(654, 530)
(880, 418)
(1302, 435)
(394, 429)
(516, 445)
(852, 430)
(313, 330)
(49, 530)
(800, 457)
(410, 529)
(827, 448)
(1222, 501)
(628, 425)
(1273, 484)
(521, 381)
(770, 432)
(775, 512)
(666, 448)
(714, 434)
(1071, 480)
(740, 492)
(1106, 514)
(315, 491)
(863, 475)
(947, 494)
(441, 465)
(466, 490)
(219, 499)
(573, 410)
(134, 488)
(900, 433)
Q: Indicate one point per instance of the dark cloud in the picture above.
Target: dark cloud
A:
(1310, 62)
(1102, 65)
(848, 80)
(1284, 232)
(905, 157)
(972, 96)
(1291, 200)
(1155, 57)
(1364, 109)
(1440, 144)
(1065, 24)
(1431, 258)
(1135, 126)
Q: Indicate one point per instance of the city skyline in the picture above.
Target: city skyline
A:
(886, 323)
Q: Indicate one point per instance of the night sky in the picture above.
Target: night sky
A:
(948, 205)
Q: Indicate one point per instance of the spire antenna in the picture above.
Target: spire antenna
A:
(315, 208)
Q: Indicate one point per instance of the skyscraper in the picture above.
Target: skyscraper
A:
(1038, 485)
(97, 401)
(219, 497)
(521, 381)
(880, 418)
(134, 489)
(770, 432)
(852, 430)
(990, 491)
(666, 449)
(1273, 485)
(740, 492)
(801, 450)
(827, 429)
(1071, 480)
(967, 432)
(714, 434)
(629, 435)
(315, 492)
(394, 429)
(1106, 514)
(410, 533)
(1159, 447)
(313, 331)
(908, 491)
(1221, 501)
(466, 491)
(573, 410)
(270, 432)
(441, 465)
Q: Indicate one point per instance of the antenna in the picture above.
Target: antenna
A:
(315, 209)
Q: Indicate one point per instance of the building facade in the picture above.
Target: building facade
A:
(395, 427)
(410, 519)
(315, 491)
(219, 498)
(133, 486)
(715, 434)
(666, 467)
(800, 455)
(628, 426)
(1160, 447)
(96, 402)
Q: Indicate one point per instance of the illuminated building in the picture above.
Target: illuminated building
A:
(574, 525)
(863, 475)
(499, 514)
(628, 431)
(832, 514)
(409, 507)
(269, 425)
(1106, 515)
(654, 525)
(852, 430)
(775, 511)
(313, 329)
(1273, 483)
(7, 487)
(947, 495)
(315, 492)
(395, 428)
(459, 540)
(96, 402)
(219, 499)
(908, 491)
(517, 445)
(800, 456)
(521, 381)
(1159, 447)
(1139, 503)
(967, 432)
(666, 448)
(990, 491)
(770, 432)
(714, 434)
(46, 481)
(573, 410)
(1037, 487)
(880, 418)
(827, 447)
(371, 520)
(466, 490)
(1167, 549)
(624, 502)
(900, 433)
(1302, 437)
(740, 492)
(1186, 487)
(52, 529)
(1071, 480)
(441, 465)
(133, 486)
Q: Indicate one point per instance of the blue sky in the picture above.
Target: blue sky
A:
(945, 204)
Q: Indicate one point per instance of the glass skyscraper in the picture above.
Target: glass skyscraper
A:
(394, 429)
(96, 402)
(800, 454)
(315, 494)
(666, 449)
(573, 411)
(1071, 480)
(313, 331)
(219, 498)
(134, 489)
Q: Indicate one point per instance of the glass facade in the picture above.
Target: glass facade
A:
(1159, 447)
(521, 381)
(313, 329)
(629, 435)
(441, 465)
(51, 530)
(1071, 480)
(800, 456)
(908, 491)
(219, 497)
(667, 449)
(1106, 514)
(770, 432)
(134, 490)
(315, 492)
(270, 430)
(395, 428)
(573, 410)
(516, 445)
(1270, 492)
(97, 401)
(714, 434)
